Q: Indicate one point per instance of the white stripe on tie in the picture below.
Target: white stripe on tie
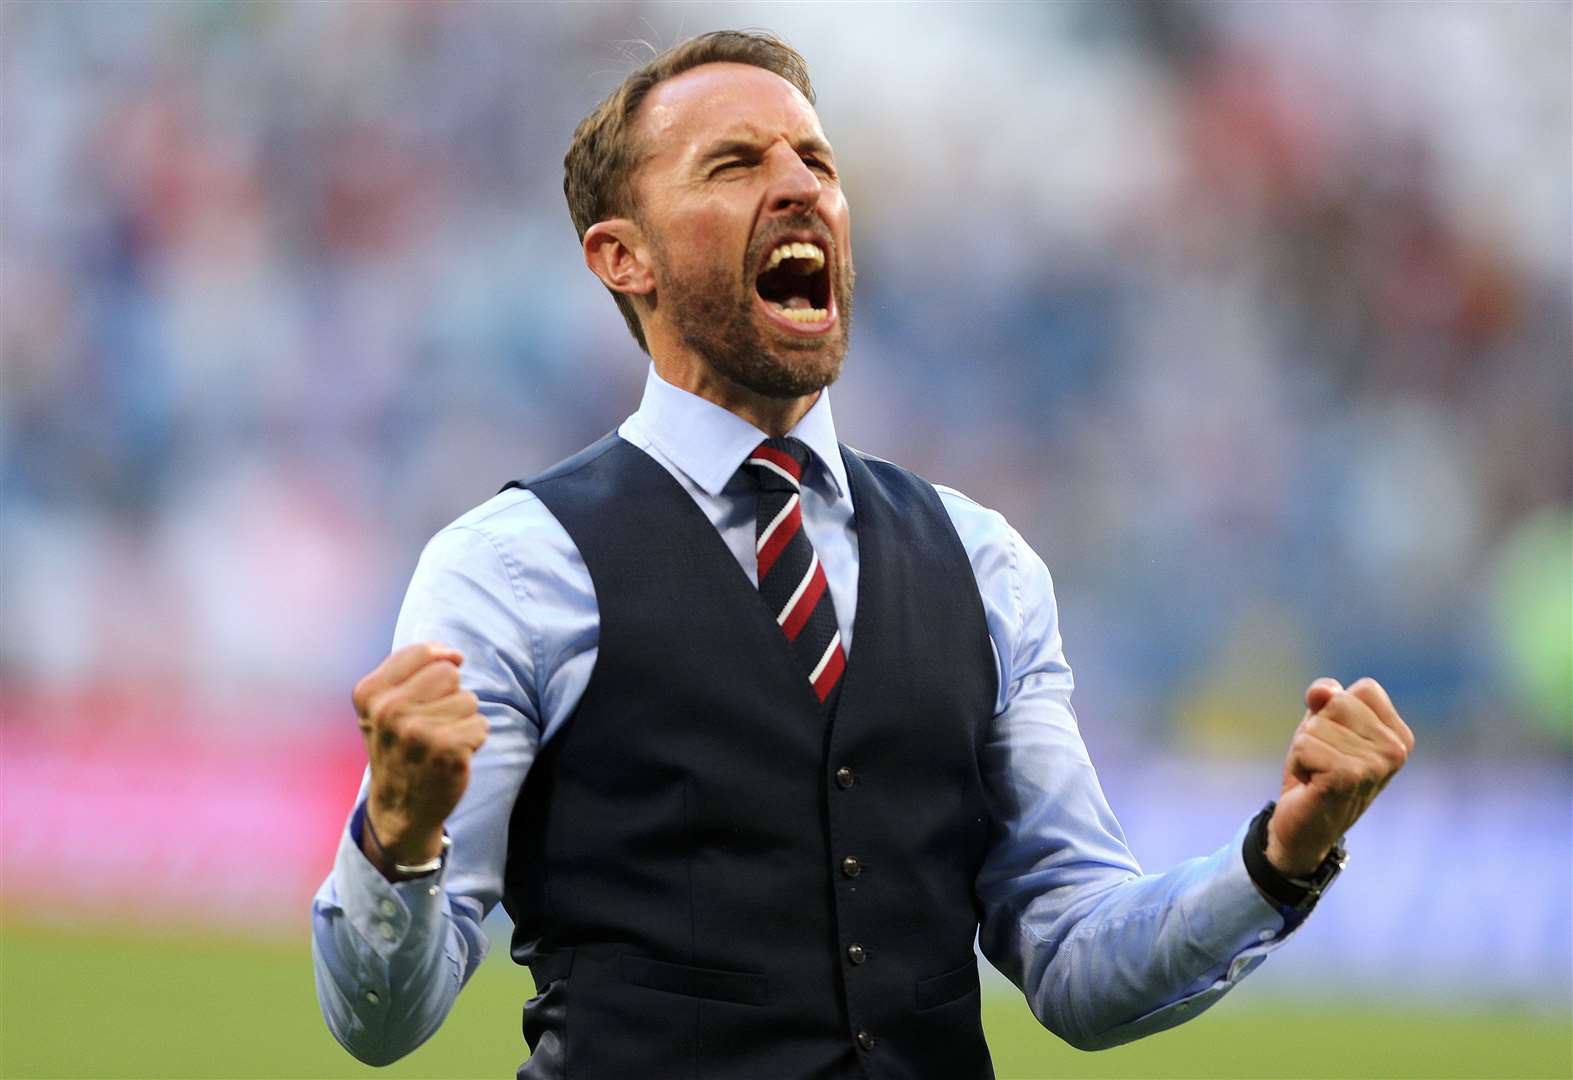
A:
(773, 467)
(764, 537)
(798, 592)
(830, 650)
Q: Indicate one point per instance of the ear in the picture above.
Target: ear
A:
(615, 252)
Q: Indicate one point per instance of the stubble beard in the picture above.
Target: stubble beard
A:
(714, 315)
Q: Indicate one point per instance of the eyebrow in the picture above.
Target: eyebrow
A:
(743, 146)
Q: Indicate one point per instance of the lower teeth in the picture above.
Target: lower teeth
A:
(803, 315)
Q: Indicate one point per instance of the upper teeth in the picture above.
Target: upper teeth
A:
(810, 254)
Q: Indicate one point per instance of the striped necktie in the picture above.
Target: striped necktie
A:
(791, 577)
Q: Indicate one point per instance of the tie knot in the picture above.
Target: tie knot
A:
(778, 464)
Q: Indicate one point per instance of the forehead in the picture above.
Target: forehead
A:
(682, 115)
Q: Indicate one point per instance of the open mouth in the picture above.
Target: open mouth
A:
(794, 284)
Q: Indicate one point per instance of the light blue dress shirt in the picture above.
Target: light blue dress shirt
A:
(1103, 954)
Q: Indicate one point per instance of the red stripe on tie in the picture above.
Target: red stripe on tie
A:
(805, 604)
(779, 540)
(832, 674)
(778, 457)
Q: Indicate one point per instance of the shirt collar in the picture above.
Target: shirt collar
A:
(710, 444)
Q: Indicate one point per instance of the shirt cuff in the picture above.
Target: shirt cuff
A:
(385, 914)
(1230, 919)
(1229, 914)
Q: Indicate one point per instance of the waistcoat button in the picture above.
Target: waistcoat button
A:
(865, 1040)
(845, 778)
(856, 954)
(851, 867)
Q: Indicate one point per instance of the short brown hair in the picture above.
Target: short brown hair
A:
(599, 167)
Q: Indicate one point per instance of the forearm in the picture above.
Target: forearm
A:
(383, 992)
(1115, 957)
(389, 958)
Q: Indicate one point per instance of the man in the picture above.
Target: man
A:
(748, 824)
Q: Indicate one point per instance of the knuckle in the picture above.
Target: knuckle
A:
(362, 693)
(417, 728)
(1343, 709)
(450, 757)
(393, 729)
(382, 708)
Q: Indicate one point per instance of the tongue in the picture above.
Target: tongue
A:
(796, 303)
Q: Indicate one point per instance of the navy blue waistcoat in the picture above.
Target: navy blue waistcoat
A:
(710, 874)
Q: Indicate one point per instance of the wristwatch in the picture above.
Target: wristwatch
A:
(1294, 897)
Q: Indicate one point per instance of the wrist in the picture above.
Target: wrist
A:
(1292, 894)
(400, 850)
(1289, 865)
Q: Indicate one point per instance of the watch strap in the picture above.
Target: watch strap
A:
(1292, 896)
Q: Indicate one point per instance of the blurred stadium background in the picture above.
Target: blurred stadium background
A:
(1254, 318)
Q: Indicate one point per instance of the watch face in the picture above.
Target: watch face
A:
(1331, 867)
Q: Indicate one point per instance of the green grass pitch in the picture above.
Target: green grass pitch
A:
(101, 1003)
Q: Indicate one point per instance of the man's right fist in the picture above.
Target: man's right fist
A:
(421, 730)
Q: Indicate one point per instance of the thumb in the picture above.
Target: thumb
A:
(1320, 692)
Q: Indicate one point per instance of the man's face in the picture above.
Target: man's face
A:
(737, 194)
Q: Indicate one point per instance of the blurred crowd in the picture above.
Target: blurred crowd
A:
(1253, 318)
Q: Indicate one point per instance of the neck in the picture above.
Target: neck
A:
(773, 416)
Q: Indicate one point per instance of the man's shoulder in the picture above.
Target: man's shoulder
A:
(983, 530)
(975, 522)
(509, 519)
(517, 508)
(610, 443)
(959, 502)
(509, 507)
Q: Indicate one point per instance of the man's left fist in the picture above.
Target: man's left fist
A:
(1346, 749)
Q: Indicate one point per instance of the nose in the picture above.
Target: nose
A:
(794, 188)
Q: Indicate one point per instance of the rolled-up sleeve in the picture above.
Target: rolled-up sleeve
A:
(390, 959)
(1103, 953)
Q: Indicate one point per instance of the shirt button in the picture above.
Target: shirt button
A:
(386, 930)
(865, 1041)
(845, 778)
(432, 890)
(389, 908)
(1265, 935)
(372, 998)
(851, 867)
(856, 953)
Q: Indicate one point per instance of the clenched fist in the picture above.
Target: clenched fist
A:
(421, 730)
(1349, 744)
